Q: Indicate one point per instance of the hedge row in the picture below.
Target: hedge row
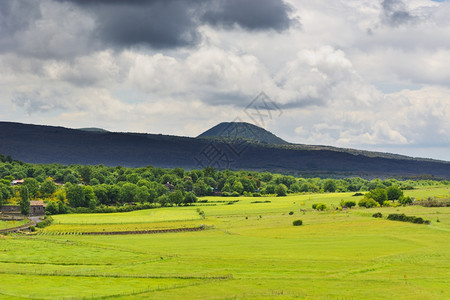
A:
(405, 218)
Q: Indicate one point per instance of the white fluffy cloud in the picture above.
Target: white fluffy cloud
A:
(365, 74)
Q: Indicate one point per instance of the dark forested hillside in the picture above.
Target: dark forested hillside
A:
(47, 144)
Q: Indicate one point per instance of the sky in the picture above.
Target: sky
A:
(363, 74)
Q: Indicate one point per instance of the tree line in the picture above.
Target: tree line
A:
(66, 188)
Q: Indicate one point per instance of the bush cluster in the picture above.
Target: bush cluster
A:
(319, 206)
(347, 204)
(405, 200)
(405, 218)
(433, 202)
(297, 223)
(377, 215)
(368, 203)
(46, 222)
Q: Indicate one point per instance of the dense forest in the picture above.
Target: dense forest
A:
(85, 188)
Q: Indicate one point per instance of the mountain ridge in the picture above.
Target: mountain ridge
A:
(50, 144)
(242, 130)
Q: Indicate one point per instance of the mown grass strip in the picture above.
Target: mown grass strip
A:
(114, 275)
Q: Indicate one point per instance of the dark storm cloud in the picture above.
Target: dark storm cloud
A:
(68, 28)
(395, 13)
(249, 14)
(174, 23)
(157, 23)
(16, 16)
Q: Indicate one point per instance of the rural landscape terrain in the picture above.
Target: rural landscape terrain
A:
(152, 233)
(224, 149)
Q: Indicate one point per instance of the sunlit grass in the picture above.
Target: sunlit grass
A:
(250, 251)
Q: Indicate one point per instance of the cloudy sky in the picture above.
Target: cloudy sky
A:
(364, 74)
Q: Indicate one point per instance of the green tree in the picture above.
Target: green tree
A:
(200, 188)
(378, 194)
(6, 192)
(329, 186)
(142, 194)
(101, 193)
(70, 177)
(90, 198)
(52, 208)
(281, 190)
(133, 178)
(24, 200)
(75, 196)
(62, 208)
(269, 189)
(237, 187)
(176, 197)
(32, 185)
(128, 193)
(48, 187)
(189, 198)
(113, 192)
(86, 173)
(394, 193)
(163, 200)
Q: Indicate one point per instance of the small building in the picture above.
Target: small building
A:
(37, 208)
(10, 209)
(170, 187)
(17, 182)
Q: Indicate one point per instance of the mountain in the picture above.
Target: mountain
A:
(230, 131)
(49, 144)
(93, 129)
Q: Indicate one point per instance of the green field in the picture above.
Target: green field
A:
(249, 251)
(10, 224)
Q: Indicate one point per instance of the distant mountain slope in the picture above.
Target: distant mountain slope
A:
(48, 144)
(93, 129)
(241, 130)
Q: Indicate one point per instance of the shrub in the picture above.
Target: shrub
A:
(405, 218)
(52, 208)
(387, 203)
(357, 194)
(291, 213)
(434, 202)
(348, 204)
(235, 194)
(297, 223)
(367, 203)
(405, 200)
(32, 228)
(377, 215)
(47, 221)
(321, 206)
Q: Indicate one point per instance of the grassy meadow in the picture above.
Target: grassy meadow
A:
(248, 251)
(10, 224)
